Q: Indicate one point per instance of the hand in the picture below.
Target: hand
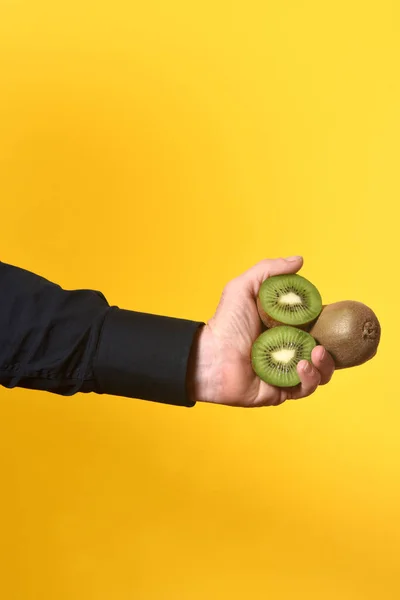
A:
(221, 370)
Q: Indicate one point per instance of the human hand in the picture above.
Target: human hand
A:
(221, 371)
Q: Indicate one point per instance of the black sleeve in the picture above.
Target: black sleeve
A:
(70, 341)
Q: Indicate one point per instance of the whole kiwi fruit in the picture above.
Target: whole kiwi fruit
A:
(349, 331)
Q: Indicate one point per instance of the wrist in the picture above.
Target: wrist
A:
(201, 384)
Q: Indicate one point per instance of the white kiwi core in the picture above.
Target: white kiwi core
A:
(284, 355)
(290, 298)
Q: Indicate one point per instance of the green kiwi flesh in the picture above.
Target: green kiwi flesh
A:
(288, 300)
(349, 331)
(276, 353)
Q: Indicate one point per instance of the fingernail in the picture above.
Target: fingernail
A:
(293, 258)
(323, 353)
(307, 368)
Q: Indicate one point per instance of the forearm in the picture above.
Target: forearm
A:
(146, 356)
(48, 335)
(66, 342)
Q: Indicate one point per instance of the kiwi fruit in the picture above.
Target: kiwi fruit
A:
(288, 300)
(349, 331)
(276, 353)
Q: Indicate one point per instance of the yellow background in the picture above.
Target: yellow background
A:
(154, 150)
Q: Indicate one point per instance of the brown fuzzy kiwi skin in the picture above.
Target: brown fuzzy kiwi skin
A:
(269, 322)
(349, 331)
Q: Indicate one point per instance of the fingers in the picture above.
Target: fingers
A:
(323, 361)
(253, 277)
(269, 395)
(248, 283)
(310, 379)
(313, 374)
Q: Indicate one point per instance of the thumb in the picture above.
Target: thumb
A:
(254, 277)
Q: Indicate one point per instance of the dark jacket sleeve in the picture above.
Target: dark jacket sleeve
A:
(70, 341)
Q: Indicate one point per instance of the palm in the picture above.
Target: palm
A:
(235, 329)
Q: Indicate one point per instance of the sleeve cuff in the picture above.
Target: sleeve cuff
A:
(145, 356)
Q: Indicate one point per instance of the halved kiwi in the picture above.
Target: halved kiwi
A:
(288, 300)
(276, 353)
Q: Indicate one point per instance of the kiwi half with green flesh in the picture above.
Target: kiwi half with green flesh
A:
(288, 300)
(349, 331)
(276, 353)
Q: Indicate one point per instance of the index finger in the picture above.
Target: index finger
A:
(254, 277)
